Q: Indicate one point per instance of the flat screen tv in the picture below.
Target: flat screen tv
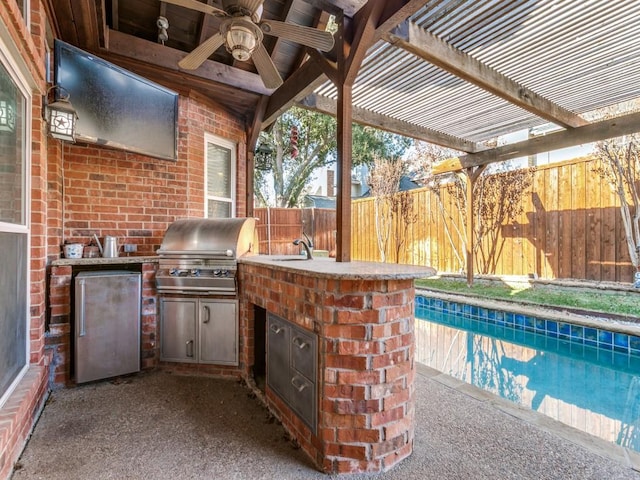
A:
(117, 108)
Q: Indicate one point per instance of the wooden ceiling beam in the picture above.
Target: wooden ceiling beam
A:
(64, 21)
(253, 127)
(203, 25)
(85, 15)
(167, 58)
(594, 132)
(383, 122)
(300, 84)
(365, 23)
(396, 12)
(315, 74)
(103, 29)
(416, 40)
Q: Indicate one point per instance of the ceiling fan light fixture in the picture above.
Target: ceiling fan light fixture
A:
(241, 37)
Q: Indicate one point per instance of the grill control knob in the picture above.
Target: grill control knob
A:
(173, 272)
(195, 272)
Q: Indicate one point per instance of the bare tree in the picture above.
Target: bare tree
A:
(420, 164)
(497, 200)
(619, 164)
(405, 215)
(384, 182)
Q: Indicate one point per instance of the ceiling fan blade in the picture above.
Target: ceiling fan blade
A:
(195, 5)
(197, 57)
(267, 70)
(311, 37)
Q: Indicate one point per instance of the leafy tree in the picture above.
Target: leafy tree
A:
(300, 142)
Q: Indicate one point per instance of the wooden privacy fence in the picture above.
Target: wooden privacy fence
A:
(278, 227)
(570, 228)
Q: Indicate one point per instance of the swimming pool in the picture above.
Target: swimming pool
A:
(581, 375)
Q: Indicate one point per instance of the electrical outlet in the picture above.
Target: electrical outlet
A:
(130, 247)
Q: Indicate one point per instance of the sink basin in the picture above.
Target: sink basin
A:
(290, 258)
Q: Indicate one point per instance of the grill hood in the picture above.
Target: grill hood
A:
(216, 237)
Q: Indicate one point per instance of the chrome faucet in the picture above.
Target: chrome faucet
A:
(299, 241)
(310, 242)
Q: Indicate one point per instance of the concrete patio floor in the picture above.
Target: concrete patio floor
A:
(157, 425)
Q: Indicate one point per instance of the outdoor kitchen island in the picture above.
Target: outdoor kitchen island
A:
(342, 335)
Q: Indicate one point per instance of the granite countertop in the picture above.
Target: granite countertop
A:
(329, 268)
(104, 261)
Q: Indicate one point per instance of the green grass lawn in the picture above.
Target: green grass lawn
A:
(617, 302)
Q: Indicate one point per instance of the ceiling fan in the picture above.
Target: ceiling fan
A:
(241, 32)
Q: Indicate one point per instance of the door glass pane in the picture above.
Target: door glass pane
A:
(13, 307)
(218, 171)
(12, 108)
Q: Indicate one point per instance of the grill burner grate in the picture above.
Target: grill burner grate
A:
(199, 256)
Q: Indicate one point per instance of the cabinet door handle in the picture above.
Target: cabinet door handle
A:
(298, 386)
(208, 316)
(275, 328)
(298, 342)
(190, 348)
(82, 332)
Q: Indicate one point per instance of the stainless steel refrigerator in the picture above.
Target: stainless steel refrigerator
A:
(107, 324)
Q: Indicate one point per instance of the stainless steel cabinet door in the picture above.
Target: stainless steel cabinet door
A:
(303, 353)
(278, 375)
(107, 324)
(303, 399)
(219, 332)
(178, 330)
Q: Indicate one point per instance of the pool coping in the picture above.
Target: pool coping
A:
(599, 446)
(592, 319)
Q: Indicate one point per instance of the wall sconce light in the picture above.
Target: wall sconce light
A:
(61, 116)
(7, 116)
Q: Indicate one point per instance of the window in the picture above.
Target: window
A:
(220, 175)
(24, 7)
(14, 226)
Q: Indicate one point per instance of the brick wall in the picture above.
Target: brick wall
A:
(18, 414)
(365, 358)
(134, 197)
(103, 191)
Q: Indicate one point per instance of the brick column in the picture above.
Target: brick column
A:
(58, 339)
(365, 358)
(367, 410)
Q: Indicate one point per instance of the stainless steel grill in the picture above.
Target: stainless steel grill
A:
(199, 256)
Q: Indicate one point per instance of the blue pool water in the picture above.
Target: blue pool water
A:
(586, 377)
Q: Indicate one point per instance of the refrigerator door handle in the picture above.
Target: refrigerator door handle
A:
(82, 332)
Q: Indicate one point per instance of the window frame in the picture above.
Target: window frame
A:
(24, 227)
(232, 147)
(26, 13)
